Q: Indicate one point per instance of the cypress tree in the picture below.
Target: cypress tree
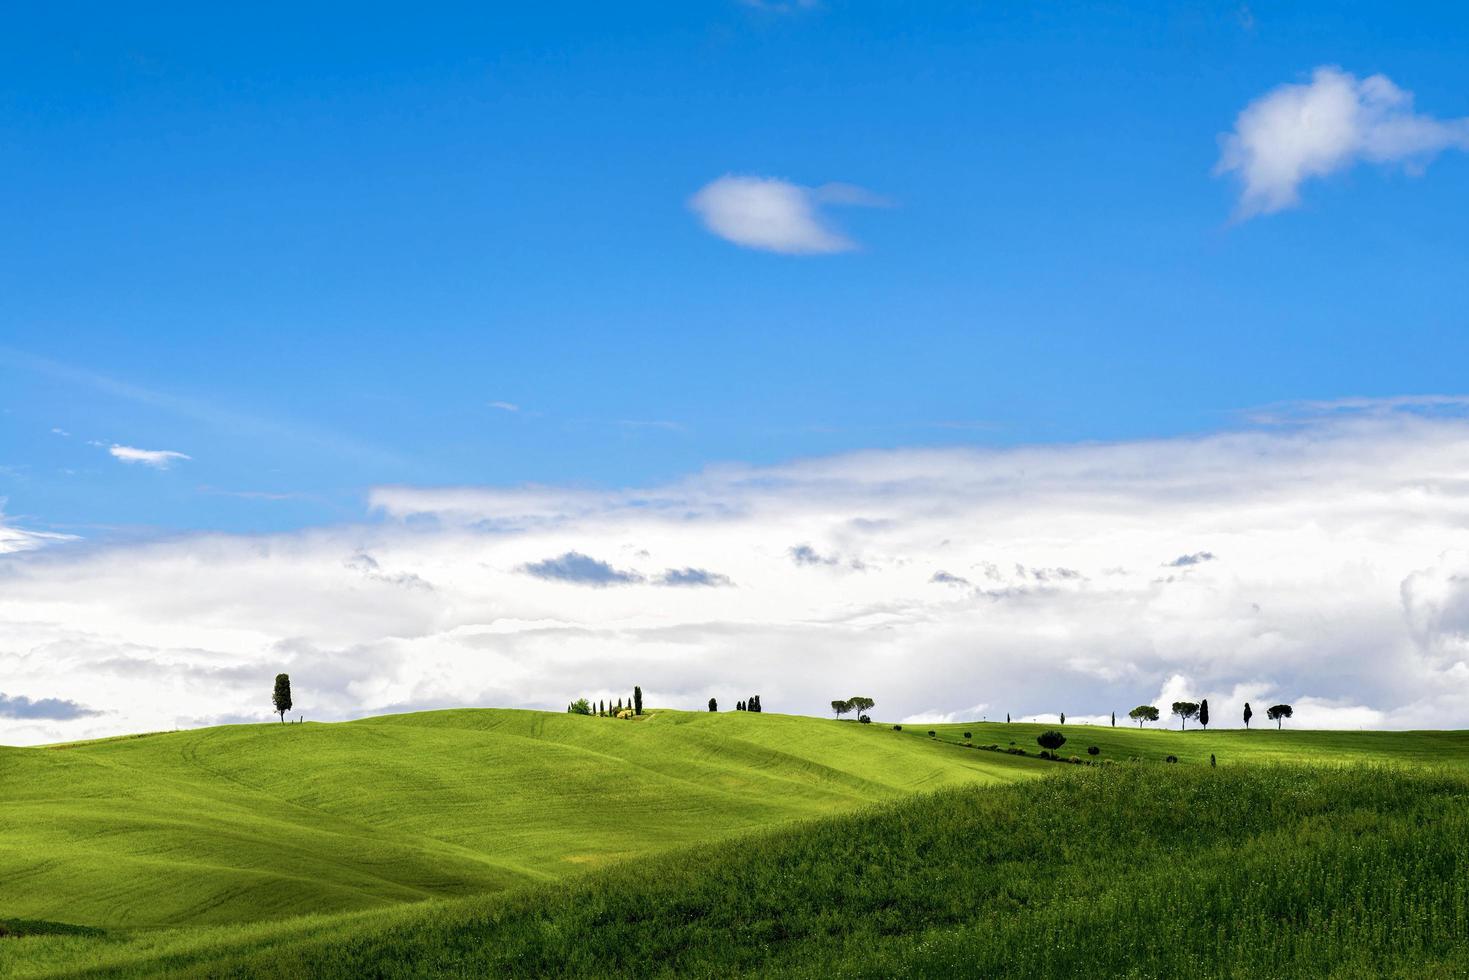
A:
(637, 700)
(281, 698)
(1204, 712)
(1114, 719)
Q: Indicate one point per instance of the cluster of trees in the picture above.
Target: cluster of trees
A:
(1184, 710)
(858, 704)
(751, 704)
(607, 709)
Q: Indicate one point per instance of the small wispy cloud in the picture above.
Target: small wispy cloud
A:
(693, 577)
(505, 406)
(61, 432)
(579, 569)
(1184, 561)
(948, 578)
(804, 554)
(776, 215)
(160, 459)
(1295, 132)
(781, 6)
(252, 494)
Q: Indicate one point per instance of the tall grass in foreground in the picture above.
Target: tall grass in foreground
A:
(1136, 870)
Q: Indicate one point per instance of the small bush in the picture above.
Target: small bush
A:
(1051, 740)
(1171, 758)
(967, 736)
(897, 728)
(1093, 750)
(866, 720)
(1075, 760)
(932, 733)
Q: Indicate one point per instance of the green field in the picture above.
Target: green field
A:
(1229, 746)
(474, 842)
(248, 822)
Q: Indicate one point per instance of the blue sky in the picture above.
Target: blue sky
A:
(310, 251)
(326, 246)
(508, 354)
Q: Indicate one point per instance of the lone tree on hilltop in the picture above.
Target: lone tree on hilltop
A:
(1114, 719)
(1277, 712)
(637, 700)
(713, 705)
(1204, 712)
(861, 705)
(840, 708)
(1142, 713)
(1248, 714)
(1063, 717)
(1052, 740)
(1184, 710)
(281, 698)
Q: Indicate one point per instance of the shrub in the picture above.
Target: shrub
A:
(1051, 739)
(967, 736)
(932, 733)
(1093, 750)
(993, 748)
(1075, 760)
(897, 728)
(1171, 758)
(865, 719)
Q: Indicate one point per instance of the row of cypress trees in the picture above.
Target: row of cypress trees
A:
(607, 709)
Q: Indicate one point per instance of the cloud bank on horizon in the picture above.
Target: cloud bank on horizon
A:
(1299, 131)
(1325, 564)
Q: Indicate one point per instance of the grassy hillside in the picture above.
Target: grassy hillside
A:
(1229, 746)
(496, 841)
(1135, 870)
(249, 822)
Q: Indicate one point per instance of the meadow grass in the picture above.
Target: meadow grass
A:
(526, 843)
(1141, 869)
(1229, 745)
(249, 822)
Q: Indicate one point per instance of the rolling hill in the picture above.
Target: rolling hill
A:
(248, 822)
(493, 842)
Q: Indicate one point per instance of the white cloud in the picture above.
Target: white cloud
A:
(775, 215)
(1341, 585)
(156, 458)
(974, 712)
(1299, 131)
(505, 406)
